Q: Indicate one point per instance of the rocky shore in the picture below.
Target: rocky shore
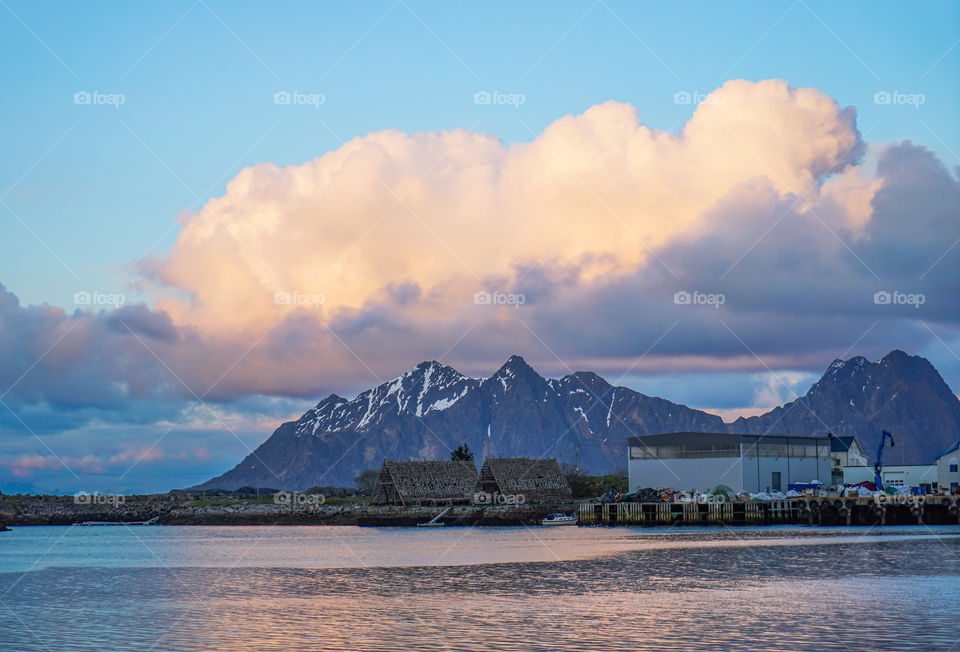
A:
(178, 510)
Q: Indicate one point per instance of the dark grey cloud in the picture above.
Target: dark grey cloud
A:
(798, 285)
(140, 320)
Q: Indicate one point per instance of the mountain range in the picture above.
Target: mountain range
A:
(580, 418)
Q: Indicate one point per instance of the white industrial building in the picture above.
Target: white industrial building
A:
(699, 460)
(922, 476)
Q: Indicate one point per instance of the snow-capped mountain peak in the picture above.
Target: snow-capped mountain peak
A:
(428, 387)
(427, 411)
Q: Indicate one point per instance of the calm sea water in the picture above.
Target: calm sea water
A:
(342, 588)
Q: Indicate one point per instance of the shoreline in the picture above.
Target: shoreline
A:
(173, 510)
(177, 510)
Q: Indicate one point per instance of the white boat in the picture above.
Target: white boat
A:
(559, 519)
(435, 521)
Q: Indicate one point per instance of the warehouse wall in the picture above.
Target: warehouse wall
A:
(686, 474)
(893, 475)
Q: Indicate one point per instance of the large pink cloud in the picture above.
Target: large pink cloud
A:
(377, 249)
(444, 210)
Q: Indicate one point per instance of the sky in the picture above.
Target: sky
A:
(214, 214)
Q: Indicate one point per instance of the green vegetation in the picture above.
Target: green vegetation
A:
(367, 481)
(346, 500)
(592, 486)
(462, 453)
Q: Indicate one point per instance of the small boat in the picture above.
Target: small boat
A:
(559, 519)
(435, 521)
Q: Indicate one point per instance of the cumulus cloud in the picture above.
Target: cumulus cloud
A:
(599, 190)
(334, 274)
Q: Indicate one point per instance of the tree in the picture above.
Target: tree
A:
(462, 454)
(593, 486)
(367, 481)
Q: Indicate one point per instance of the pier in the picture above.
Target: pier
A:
(890, 510)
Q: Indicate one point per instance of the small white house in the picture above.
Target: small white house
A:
(948, 469)
(904, 475)
(844, 451)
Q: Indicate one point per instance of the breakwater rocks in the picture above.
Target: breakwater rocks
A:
(67, 510)
(178, 510)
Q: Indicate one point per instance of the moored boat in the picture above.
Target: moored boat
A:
(559, 519)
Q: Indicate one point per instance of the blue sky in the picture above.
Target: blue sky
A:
(199, 93)
(90, 190)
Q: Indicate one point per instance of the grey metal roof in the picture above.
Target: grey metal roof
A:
(841, 444)
(715, 437)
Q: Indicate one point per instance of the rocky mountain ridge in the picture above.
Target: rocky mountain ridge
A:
(432, 408)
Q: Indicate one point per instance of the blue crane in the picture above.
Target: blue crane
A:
(878, 466)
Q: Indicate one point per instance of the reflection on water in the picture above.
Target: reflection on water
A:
(307, 588)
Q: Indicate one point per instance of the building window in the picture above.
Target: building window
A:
(953, 468)
(773, 450)
(684, 451)
(804, 449)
